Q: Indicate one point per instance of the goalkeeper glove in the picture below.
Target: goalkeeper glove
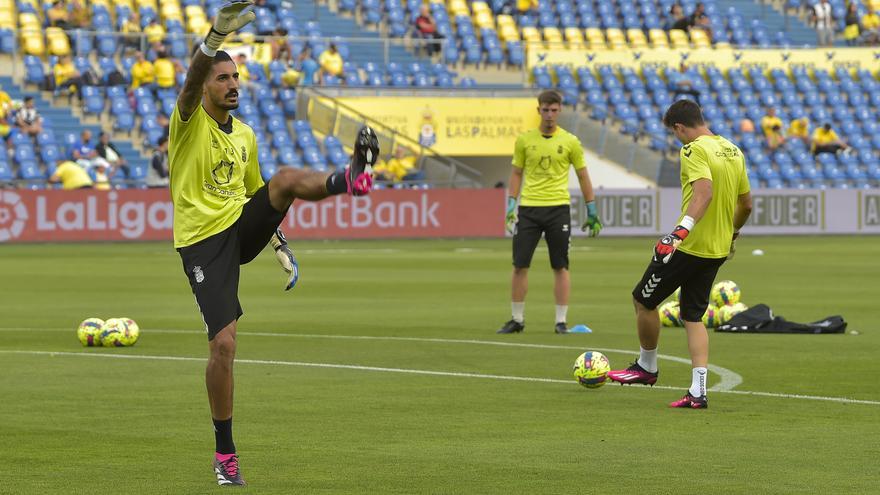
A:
(510, 218)
(592, 222)
(669, 243)
(285, 257)
(733, 246)
(229, 19)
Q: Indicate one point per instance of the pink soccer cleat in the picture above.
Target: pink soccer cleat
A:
(691, 402)
(633, 374)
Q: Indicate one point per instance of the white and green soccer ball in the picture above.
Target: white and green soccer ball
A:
(89, 332)
(725, 293)
(670, 314)
(712, 316)
(728, 312)
(113, 333)
(591, 369)
(131, 333)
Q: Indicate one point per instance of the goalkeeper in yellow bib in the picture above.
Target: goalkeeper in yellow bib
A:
(541, 160)
(224, 214)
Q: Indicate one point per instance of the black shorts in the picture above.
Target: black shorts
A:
(212, 264)
(693, 274)
(554, 222)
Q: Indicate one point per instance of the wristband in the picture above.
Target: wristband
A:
(207, 51)
(511, 203)
(591, 209)
(687, 222)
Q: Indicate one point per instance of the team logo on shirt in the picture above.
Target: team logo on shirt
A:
(545, 162)
(215, 144)
(559, 149)
(222, 172)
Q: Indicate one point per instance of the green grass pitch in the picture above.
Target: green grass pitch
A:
(333, 394)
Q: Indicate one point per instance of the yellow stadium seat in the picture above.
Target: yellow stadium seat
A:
(658, 38)
(615, 38)
(700, 39)
(478, 7)
(553, 35)
(29, 21)
(508, 33)
(574, 37)
(171, 11)
(531, 34)
(57, 41)
(505, 20)
(484, 20)
(458, 7)
(636, 38)
(194, 10)
(105, 3)
(595, 38)
(148, 3)
(679, 38)
(197, 25)
(32, 42)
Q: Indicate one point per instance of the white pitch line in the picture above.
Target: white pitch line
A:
(842, 400)
(729, 378)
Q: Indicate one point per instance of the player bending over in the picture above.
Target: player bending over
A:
(224, 214)
(715, 204)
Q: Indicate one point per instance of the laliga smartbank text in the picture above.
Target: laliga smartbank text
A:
(130, 217)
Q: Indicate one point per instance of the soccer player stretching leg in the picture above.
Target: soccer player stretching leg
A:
(541, 160)
(224, 214)
(715, 204)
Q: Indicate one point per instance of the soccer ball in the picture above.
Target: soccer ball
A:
(89, 332)
(591, 368)
(712, 316)
(728, 312)
(113, 333)
(670, 314)
(725, 293)
(131, 333)
(676, 296)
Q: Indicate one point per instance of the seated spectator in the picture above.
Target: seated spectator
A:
(331, 63)
(142, 72)
(66, 76)
(870, 29)
(166, 70)
(71, 176)
(851, 31)
(800, 129)
(28, 119)
(110, 154)
(280, 46)
(5, 128)
(85, 154)
(677, 19)
(157, 176)
(700, 20)
(825, 140)
(79, 15)
(427, 29)
(398, 167)
(5, 103)
(163, 122)
(130, 27)
(244, 74)
(527, 7)
(771, 126)
(746, 126)
(58, 15)
(154, 31)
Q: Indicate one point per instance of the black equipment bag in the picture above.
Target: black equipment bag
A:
(760, 319)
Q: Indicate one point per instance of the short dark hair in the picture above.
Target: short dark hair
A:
(684, 112)
(549, 97)
(162, 140)
(28, 98)
(221, 56)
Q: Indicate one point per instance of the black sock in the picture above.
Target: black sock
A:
(336, 183)
(223, 436)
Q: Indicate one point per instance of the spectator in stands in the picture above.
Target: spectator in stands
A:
(800, 129)
(527, 7)
(823, 20)
(111, 154)
(5, 129)
(677, 19)
(870, 28)
(746, 126)
(58, 15)
(66, 76)
(700, 20)
(71, 176)
(398, 167)
(771, 126)
(280, 46)
(79, 15)
(130, 27)
(163, 122)
(28, 119)
(825, 140)
(331, 63)
(5, 103)
(427, 28)
(85, 154)
(157, 176)
(244, 75)
(303, 70)
(154, 31)
(142, 72)
(851, 31)
(166, 70)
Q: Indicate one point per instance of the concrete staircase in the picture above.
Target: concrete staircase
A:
(797, 31)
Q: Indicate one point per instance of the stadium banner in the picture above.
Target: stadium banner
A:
(724, 58)
(453, 126)
(147, 215)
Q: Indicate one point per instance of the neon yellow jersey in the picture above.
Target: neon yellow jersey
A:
(545, 162)
(71, 175)
(212, 174)
(719, 160)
